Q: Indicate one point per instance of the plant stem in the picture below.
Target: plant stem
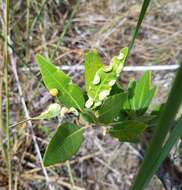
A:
(1, 114)
(23, 121)
(5, 56)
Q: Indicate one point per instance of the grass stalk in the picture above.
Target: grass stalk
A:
(37, 16)
(140, 20)
(27, 30)
(157, 144)
(5, 57)
(172, 139)
(1, 114)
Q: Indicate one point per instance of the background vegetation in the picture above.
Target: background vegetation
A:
(64, 30)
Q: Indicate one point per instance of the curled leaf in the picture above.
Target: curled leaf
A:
(52, 111)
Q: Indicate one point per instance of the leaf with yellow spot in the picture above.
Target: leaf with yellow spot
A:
(60, 84)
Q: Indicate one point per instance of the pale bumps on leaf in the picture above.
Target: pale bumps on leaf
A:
(103, 94)
(106, 77)
(96, 79)
(89, 103)
(98, 104)
(112, 82)
(107, 68)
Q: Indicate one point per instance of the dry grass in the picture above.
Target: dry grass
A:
(102, 163)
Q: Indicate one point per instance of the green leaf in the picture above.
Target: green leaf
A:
(141, 93)
(116, 89)
(105, 78)
(69, 94)
(64, 144)
(111, 108)
(87, 117)
(92, 64)
(127, 130)
(52, 111)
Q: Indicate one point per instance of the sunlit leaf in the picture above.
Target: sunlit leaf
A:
(64, 144)
(105, 78)
(92, 64)
(69, 94)
(140, 94)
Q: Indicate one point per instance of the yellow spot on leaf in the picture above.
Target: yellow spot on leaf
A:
(54, 92)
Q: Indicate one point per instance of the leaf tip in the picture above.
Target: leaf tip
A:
(125, 50)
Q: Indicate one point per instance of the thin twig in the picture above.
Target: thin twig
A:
(70, 175)
(52, 179)
(1, 113)
(29, 123)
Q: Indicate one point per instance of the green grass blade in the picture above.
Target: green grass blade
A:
(173, 138)
(37, 16)
(140, 20)
(166, 119)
